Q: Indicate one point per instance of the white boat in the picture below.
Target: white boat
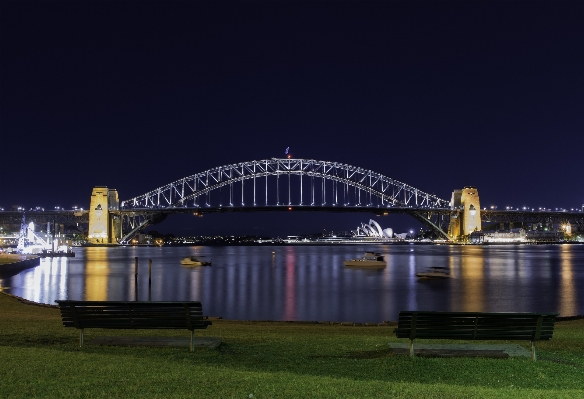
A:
(370, 259)
(193, 261)
(434, 272)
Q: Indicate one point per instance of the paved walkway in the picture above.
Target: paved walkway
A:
(200, 342)
(462, 350)
(422, 350)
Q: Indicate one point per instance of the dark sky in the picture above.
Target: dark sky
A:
(440, 95)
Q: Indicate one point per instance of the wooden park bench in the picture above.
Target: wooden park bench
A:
(475, 326)
(133, 315)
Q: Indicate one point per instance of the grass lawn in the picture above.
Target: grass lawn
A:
(41, 358)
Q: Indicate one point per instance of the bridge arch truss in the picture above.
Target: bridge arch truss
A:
(285, 182)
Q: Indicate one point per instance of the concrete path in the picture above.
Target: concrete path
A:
(200, 342)
(462, 350)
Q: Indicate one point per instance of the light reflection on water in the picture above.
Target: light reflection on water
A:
(311, 283)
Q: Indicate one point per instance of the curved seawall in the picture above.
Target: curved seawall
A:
(14, 264)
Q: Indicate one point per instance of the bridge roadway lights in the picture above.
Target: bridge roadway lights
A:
(105, 222)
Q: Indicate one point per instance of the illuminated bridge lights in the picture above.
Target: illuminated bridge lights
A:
(278, 184)
(297, 179)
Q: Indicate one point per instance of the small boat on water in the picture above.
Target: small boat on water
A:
(434, 272)
(370, 259)
(193, 261)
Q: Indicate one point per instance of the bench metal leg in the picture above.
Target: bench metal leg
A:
(81, 336)
(533, 357)
(411, 348)
(192, 340)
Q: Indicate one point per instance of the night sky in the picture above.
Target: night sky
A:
(440, 95)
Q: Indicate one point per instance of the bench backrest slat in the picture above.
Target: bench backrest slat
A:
(130, 315)
(475, 325)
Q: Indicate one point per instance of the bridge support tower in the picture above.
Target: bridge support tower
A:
(105, 225)
(468, 216)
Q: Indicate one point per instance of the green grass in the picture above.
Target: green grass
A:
(40, 358)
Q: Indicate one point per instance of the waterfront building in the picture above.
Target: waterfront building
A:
(544, 236)
(516, 236)
(507, 236)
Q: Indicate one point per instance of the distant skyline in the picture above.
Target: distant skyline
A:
(439, 95)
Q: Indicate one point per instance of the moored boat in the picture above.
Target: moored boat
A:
(434, 272)
(193, 261)
(370, 259)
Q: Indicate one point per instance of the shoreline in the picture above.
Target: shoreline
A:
(272, 244)
(11, 264)
(338, 323)
(21, 262)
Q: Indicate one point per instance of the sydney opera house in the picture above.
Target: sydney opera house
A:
(373, 229)
(367, 232)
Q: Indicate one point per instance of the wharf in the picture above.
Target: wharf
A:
(56, 255)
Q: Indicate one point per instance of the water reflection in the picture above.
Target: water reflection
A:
(290, 287)
(43, 282)
(311, 282)
(96, 274)
(568, 302)
(472, 279)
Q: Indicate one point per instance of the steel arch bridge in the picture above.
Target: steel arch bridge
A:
(283, 184)
(364, 184)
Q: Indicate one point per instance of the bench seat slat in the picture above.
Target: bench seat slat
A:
(475, 325)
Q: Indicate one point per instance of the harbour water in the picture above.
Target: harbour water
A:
(310, 282)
